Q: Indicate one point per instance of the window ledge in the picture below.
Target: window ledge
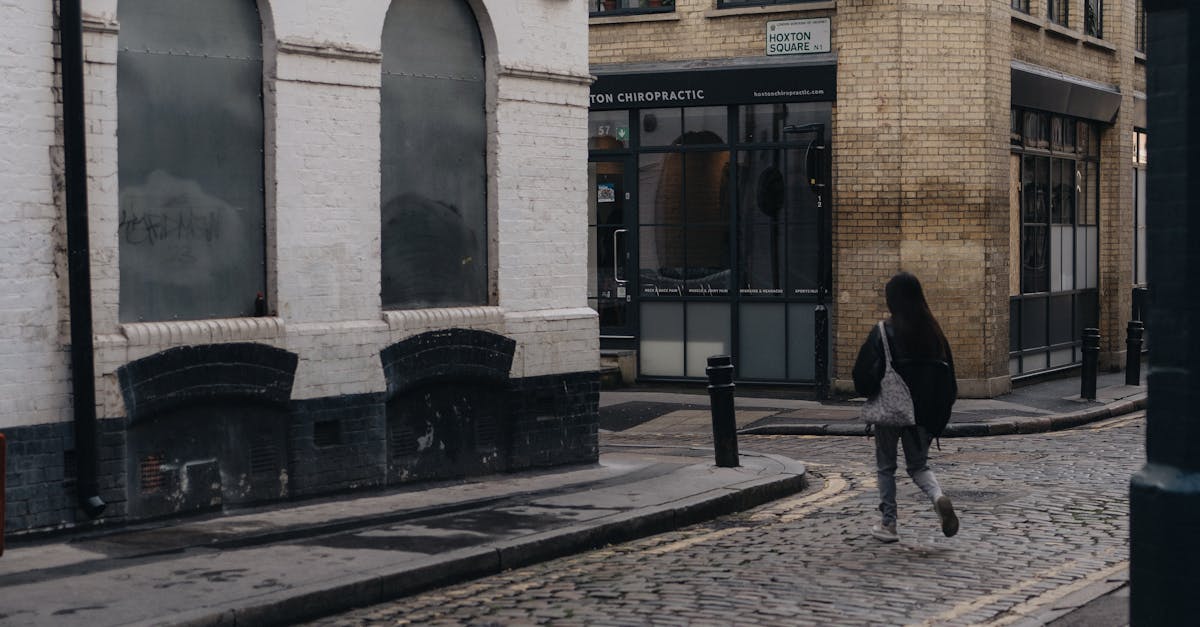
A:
(444, 318)
(1062, 31)
(1140, 57)
(181, 332)
(826, 5)
(634, 18)
(1096, 42)
(1025, 19)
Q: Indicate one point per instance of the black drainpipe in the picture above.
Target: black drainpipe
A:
(79, 275)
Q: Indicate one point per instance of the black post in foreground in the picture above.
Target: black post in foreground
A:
(1091, 362)
(1165, 494)
(1133, 353)
(720, 394)
(821, 346)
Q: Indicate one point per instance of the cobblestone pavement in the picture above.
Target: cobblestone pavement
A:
(1043, 517)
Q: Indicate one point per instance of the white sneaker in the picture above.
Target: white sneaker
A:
(885, 533)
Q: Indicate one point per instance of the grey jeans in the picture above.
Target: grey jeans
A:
(916, 453)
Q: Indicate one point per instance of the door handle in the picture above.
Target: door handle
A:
(616, 259)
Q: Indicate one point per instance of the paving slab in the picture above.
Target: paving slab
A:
(279, 565)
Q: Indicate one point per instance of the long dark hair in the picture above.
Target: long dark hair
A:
(917, 332)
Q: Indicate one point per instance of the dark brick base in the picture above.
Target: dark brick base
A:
(333, 445)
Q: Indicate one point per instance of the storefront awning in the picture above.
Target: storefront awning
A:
(1040, 88)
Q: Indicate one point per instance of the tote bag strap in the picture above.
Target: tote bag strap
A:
(887, 353)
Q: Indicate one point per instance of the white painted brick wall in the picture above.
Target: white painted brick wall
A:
(322, 92)
(34, 386)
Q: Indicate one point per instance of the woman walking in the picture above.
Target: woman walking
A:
(921, 356)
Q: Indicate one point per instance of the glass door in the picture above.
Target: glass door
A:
(611, 210)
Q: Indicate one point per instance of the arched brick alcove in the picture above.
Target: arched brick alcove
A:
(448, 404)
(207, 426)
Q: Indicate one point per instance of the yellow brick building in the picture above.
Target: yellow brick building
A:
(760, 168)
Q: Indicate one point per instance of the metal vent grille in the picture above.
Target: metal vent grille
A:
(404, 442)
(485, 431)
(264, 458)
(150, 472)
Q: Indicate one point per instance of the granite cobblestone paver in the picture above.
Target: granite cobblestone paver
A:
(1043, 516)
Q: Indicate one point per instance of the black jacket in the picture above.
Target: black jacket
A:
(930, 381)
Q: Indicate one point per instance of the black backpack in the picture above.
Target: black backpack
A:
(934, 390)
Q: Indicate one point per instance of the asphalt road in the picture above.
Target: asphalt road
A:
(1044, 530)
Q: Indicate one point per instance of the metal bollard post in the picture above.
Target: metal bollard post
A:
(1091, 359)
(720, 394)
(1133, 353)
(821, 347)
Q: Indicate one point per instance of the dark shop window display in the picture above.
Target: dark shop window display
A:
(729, 241)
(433, 163)
(190, 167)
(627, 7)
(1058, 187)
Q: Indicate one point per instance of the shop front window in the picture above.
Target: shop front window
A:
(730, 234)
(1140, 163)
(1055, 211)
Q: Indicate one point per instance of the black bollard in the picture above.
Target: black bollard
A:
(720, 394)
(1091, 359)
(821, 347)
(1133, 353)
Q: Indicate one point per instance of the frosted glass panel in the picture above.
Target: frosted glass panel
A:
(1086, 255)
(707, 335)
(1062, 267)
(1060, 357)
(661, 349)
(1035, 362)
(801, 344)
(761, 354)
(1014, 366)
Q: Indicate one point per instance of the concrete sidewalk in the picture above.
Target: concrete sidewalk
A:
(1038, 407)
(279, 565)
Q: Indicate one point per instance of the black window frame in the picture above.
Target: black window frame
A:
(1038, 137)
(1093, 18)
(1139, 27)
(1141, 161)
(610, 8)
(1020, 5)
(737, 4)
(1059, 12)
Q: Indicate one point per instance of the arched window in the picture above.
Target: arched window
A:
(433, 162)
(190, 165)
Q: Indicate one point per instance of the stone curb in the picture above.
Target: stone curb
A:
(1010, 426)
(313, 601)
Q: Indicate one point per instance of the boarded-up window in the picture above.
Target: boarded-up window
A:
(434, 178)
(190, 141)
